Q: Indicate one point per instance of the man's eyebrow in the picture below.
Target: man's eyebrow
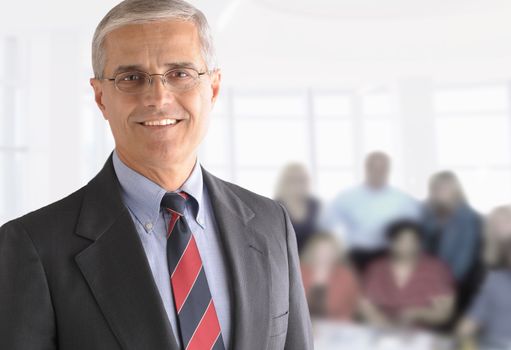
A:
(181, 65)
(128, 68)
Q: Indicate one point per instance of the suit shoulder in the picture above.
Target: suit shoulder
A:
(252, 197)
(53, 215)
(258, 203)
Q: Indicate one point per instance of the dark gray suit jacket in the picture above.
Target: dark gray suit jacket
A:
(74, 275)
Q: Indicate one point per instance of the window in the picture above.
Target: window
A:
(254, 134)
(13, 148)
(380, 129)
(334, 141)
(270, 130)
(473, 139)
(217, 150)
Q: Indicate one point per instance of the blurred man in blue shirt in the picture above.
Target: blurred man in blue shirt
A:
(363, 212)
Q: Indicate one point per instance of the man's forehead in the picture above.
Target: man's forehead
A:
(166, 28)
(161, 43)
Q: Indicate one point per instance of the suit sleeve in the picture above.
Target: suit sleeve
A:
(299, 332)
(26, 312)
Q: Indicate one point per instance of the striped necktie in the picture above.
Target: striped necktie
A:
(199, 328)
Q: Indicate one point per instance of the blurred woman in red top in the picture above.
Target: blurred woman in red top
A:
(330, 284)
(408, 287)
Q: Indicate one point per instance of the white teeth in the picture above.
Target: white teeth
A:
(160, 122)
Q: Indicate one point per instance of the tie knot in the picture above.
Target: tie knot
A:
(175, 201)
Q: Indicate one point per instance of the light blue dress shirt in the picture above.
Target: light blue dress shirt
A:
(361, 214)
(142, 197)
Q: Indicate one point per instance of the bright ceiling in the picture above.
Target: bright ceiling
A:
(341, 41)
(378, 9)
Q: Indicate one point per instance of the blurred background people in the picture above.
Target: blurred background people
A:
(488, 321)
(407, 287)
(452, 232)
(293, 191)
(331, 286)
(367, 209)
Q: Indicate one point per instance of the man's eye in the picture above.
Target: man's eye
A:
(131, 77)
(180, 74)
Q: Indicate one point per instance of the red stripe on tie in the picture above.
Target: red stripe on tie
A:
(183, 194)
(173, 219)
(207, 331)
(184, 276)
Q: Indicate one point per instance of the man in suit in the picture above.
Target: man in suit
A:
(154, 252)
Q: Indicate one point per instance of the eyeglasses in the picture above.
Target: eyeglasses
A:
(175, 80)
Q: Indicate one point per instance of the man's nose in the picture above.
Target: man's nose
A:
(157, 95)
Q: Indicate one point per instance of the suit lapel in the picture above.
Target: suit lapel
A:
(116, 268)
(247, 260)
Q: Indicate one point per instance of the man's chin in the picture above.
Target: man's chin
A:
(164, 153)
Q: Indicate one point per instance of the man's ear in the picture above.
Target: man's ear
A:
(216, 78)
(98, 95)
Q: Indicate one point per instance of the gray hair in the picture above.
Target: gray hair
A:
(145, 11)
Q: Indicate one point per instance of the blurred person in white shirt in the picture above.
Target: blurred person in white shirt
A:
(365, 210)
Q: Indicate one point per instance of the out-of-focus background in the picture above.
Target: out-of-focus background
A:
(310, 90)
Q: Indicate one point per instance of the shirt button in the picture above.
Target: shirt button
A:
(148, 226)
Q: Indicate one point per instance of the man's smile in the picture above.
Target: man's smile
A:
(160, 122)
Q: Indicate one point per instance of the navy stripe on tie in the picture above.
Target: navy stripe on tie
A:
(219, 344)
(176, 243)
(194, 307)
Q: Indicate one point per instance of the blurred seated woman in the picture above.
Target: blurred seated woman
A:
(487, 324)
(453, 233)
(330, 285)
(408, 287)
(293, 191)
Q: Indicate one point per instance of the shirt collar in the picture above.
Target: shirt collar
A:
(143, 196)
(372, 190)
